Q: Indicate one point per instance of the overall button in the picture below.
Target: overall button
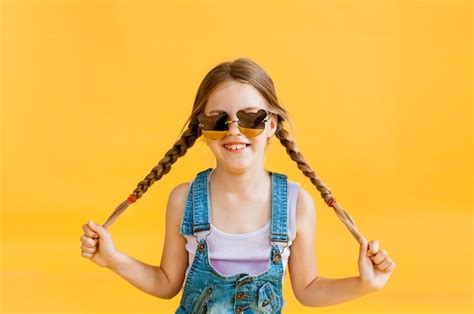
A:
(277, 257)
(241, 309)
(240, 296)
(244, 280)
(201, 247)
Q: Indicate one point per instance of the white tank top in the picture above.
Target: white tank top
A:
(233, 253)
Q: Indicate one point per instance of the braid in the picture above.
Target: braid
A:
(297, 157)
(187, 140)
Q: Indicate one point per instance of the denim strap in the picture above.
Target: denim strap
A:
(187, 221)
(194, 221)
(279, 207)
(200, 202)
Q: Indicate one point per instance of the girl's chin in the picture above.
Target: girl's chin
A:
(235, 167)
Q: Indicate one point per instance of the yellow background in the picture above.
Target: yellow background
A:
(95, 92)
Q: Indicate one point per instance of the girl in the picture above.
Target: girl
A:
(230, 231)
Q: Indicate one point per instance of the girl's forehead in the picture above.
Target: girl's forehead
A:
(235, 96)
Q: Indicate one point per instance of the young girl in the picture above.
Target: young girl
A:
(230, 231)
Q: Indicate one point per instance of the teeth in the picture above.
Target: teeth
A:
(235, 147)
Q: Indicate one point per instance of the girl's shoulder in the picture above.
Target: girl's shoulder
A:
(180, 190)
(304, 198)
(177, 201)
(305, 210)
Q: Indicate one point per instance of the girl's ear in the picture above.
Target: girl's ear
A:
(273, 125)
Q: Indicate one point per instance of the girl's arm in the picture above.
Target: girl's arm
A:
(309, 287)
(164, 281)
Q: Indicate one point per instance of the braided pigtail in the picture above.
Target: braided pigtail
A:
(296, 156)
(188, 138)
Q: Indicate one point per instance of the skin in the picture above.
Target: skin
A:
(240, 202)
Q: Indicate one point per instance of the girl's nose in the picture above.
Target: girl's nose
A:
(233, 127)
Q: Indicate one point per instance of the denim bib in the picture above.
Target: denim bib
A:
(206, 290)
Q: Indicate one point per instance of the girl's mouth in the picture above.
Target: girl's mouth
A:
(235, 147)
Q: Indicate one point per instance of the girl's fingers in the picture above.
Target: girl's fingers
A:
(373, 247)
(89, 232)
(85, 254)
(390, 268)
(384, 264)
(88, 249)
(379, 257)
(89, 241)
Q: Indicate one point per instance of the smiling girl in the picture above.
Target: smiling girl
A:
(232, 231)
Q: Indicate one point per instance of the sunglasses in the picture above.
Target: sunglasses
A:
(251, 124)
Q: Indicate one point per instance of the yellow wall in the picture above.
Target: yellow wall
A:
(95, 92)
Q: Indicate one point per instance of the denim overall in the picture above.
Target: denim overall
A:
(206, 290)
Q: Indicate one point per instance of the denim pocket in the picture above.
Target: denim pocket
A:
(268, 300)
(201, 301)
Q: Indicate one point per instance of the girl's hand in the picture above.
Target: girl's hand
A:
(375, 266)
(97, 244)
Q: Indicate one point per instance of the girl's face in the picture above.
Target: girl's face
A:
(235, 151)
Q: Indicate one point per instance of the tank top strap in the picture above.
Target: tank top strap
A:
(196, 213)
(279, 230)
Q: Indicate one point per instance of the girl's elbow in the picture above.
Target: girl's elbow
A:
(307, 303)
(167, 294)
(304, 300)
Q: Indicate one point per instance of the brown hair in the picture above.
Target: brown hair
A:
(246, 71)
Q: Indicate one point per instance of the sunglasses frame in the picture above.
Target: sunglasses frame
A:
(249, 132)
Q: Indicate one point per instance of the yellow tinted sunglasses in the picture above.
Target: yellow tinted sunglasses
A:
(251, 124)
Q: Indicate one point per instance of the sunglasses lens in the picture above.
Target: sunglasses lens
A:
(252, 123)
(214, 135)
(213, 127)
(251, 132)
(213, 123)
